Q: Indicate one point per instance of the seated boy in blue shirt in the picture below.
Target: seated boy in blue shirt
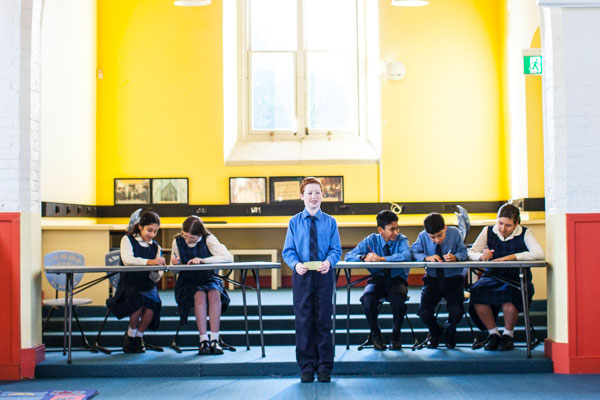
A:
(312, 236)
(385, 283)
(441, 243)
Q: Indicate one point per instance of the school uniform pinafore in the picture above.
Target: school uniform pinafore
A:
(135, 289)
(488, 290)
(189, 282)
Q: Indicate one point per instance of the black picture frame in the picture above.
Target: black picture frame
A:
(170, 190)
(132, 191)
(248, 190)
(333, 188)
(284, 189)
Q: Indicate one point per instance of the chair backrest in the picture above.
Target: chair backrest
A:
(113, 258)
(464, 224)
(133, 218)
(63, 257)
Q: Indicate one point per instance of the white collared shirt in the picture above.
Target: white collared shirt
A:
(127, 251)
(219, 252)
(534, 252)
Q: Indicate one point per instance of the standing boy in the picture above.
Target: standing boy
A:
(385, 283)
(439, 243)
(311, 249)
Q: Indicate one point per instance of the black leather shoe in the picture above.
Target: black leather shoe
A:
(324, 377)
(378, 341)
(396, 341)
(128, 344)
(307, 377)
(506, 343)
(450, 338)
(204, 348)
(434, 338)
(139, 346)
(215, 348)
(492, 341)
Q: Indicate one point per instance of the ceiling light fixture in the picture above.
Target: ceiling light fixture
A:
(191, 3)
(409, 3)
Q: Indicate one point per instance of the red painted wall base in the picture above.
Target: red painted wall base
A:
(30, 358)
(564, 364)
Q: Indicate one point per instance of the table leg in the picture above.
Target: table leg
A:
(243, 280)
(525, 297)
(260, 322)
(66, 316)
(334, 301)
(70, 295)
(347, 272)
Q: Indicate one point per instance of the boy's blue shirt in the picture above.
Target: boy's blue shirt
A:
(424, 247)
(297, 240)
(399, 251)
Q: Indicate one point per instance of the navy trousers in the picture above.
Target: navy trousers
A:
(313, 308)
(434, 289)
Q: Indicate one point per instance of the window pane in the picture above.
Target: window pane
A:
(273, 25)
(330, 24)
(331, 91)
(272, 85)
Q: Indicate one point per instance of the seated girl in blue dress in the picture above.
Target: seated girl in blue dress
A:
(507, 240)
(196, 245)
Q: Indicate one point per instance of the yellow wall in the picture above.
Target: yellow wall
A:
(444, 118)
(160, 103)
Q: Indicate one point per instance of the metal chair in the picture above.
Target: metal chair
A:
(112, 258)
(182, 321)
(464, 224)
(59, 283)
(466, 296)
(368, 343)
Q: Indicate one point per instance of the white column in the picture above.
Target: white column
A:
(571, 88)
(20, 146)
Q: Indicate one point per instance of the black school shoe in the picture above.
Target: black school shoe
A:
(138, 345)
(215, 348)
(506, 343)
(128, 344)
(434, 338)
(450, 338)
(204, 348)
(492, 342)
(307, 377)
(323, 377)
(396, 341)
(378, 341)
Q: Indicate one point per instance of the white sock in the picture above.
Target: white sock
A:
(214, 336)
(131, 332)
(204, 337)
(508, 332)
(494, 331)
(139, 334)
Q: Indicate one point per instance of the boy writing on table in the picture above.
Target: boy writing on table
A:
(312, 249)
(440, 243)
(388, 245)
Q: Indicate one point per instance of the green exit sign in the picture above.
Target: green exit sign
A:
(532, 65)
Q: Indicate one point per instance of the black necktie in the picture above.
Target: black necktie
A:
(386, 252)
(314, 244)
(439, 272)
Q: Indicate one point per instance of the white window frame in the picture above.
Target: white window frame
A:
(242, 148)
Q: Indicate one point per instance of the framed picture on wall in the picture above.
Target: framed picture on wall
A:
(132, 191)
(333, 188)
(170, 190)
(284, 188)
(247, 190)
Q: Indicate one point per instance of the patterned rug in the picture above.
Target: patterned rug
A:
(51, 395)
